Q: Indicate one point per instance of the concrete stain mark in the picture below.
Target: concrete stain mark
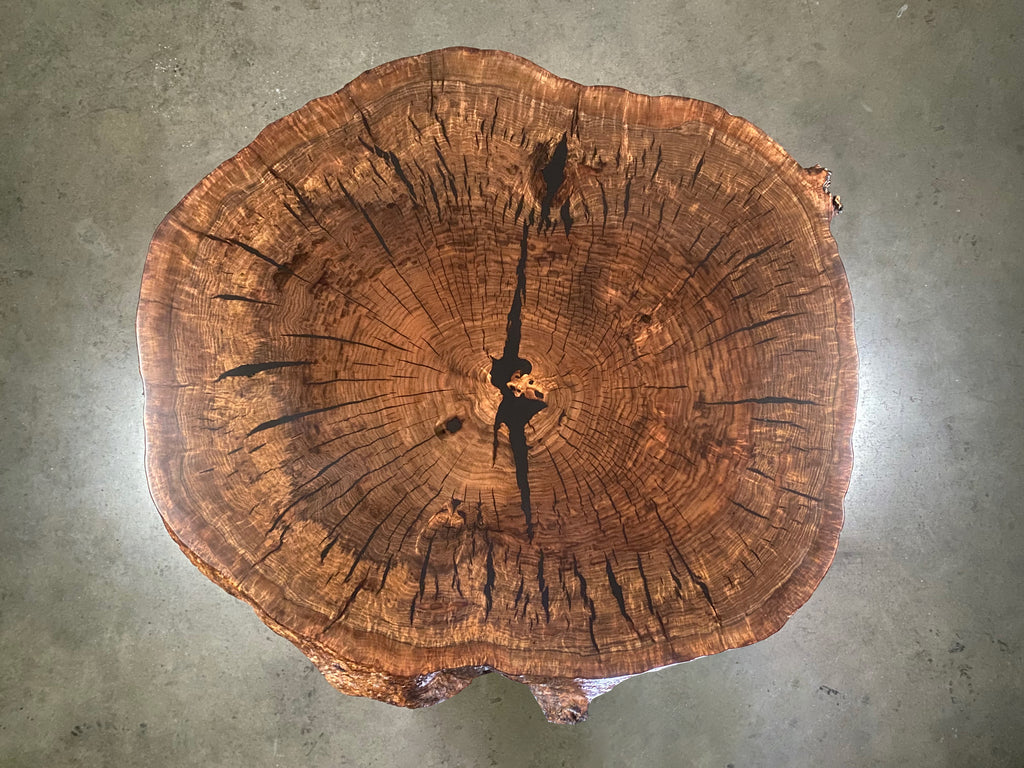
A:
(8, 278)
(92, 238)
(97, 726)
(956, 661)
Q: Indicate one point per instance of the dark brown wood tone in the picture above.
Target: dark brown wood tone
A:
(470, 368)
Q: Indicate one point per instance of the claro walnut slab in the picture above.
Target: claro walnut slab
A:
(469, 368)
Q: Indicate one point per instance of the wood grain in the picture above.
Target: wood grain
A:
(470, 368)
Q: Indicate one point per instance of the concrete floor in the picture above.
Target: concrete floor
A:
(116, 651)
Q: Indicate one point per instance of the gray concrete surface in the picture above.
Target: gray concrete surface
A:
(117, 652)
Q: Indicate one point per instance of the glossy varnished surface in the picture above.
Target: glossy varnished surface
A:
(467, 367)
